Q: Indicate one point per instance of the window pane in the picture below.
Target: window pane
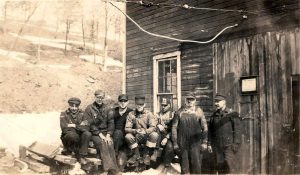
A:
(168, 84)
(160, 85)
(161, 68)
(167, 81)
(174, 66)
(167, 66)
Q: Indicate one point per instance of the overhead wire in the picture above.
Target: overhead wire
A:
(172, 38)
(185, 6)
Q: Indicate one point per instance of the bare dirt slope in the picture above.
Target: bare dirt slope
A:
(28, 84)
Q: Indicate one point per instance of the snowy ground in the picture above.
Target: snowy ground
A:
(24, 129)
(60, 44)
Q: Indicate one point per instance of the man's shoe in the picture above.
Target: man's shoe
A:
(82, 161)
(147, 159)
(66, 152)
(133, 160)
(154, 155)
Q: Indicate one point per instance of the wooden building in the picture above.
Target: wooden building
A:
(256, 64)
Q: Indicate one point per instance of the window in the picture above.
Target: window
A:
(166, 79)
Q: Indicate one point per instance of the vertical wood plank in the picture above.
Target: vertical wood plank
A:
(260, 50)
(296, 60)
(269, 100)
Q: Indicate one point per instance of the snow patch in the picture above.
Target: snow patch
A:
(14, 55)
(56, 43)
(24, 129)
(100, 60)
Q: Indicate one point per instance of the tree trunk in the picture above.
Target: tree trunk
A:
(67, 33)
(105, 41)
(83, 36)
(24, 24)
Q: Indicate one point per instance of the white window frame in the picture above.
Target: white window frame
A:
(156, 59)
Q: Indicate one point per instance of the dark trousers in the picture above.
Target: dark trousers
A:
(226, 162)
(107, 154)
(118, 138)
(191, 159)
(76, 141)
(168, 154)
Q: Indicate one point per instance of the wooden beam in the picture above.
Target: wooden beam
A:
(36, 166)
(65, 159)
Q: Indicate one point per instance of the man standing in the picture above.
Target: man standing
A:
(120, 116)
(140, 129)
(75, 130)
(224, 135)
(189, 135)
(101, 119)
(165, 117)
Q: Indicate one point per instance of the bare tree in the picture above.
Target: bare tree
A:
(83, 34)
(25, 22)
(105, 47)
(4, 17)
(68, 25)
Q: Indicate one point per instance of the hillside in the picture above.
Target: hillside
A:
(31, 83)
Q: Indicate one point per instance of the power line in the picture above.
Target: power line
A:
(171, 38)
(184, 6)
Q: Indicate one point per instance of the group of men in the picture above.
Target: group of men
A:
(144, 138)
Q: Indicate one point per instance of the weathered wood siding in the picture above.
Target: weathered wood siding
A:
(196, 73)
(189, 24)
(274, 57)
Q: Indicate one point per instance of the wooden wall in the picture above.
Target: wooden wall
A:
(188, 24)
(274, 57)
(196, 74)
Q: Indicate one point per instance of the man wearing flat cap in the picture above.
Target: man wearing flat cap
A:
(165, 118)
(120, 116)
(224, 135)
(75, 130)
(101, 119)
(140, 129)
(189, 135)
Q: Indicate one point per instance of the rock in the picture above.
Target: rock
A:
(91, 80)
(77, 170)
(21, 165)
(7, 160)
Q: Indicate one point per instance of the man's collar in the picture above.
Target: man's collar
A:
(164, 112)
(193, 108)
(97, 105)
(69, 112)
(138, 112)
(122, 111)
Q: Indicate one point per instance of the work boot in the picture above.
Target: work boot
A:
(154, 155)
(159, 152)
(82, 161)
(66, 152)
(133, 160)
(147, 159)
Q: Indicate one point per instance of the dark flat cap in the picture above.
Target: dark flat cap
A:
(123, 97)
(140, 100)
(74, 100)
(99, 93)
(190, 95)
(220, 96)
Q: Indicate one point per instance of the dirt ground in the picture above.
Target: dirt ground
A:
(39, 84)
